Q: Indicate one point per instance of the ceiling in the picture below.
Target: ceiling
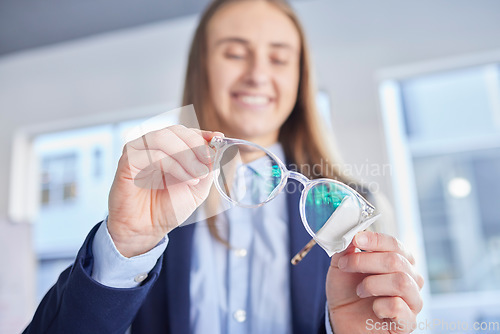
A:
(26, 24)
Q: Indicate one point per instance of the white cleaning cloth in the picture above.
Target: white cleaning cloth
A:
(339, 230)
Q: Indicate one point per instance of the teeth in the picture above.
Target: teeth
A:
(255, 100)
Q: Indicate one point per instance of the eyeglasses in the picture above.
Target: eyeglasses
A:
(248, 175)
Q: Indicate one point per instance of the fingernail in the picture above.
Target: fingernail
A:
(360, 291)
(202, 171)
(211, 153)
(194, 182)
(342, 262)
(362, 239)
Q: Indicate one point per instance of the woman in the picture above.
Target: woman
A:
(248, 77)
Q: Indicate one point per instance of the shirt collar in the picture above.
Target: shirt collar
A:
(276, 149)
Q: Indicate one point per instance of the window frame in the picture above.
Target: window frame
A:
(400, 153)
(24, 188)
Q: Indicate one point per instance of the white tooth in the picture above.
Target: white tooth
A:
(257, 100)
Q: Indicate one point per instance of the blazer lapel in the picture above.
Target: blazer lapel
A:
(307, 279)
(166, 308)
(178, 266)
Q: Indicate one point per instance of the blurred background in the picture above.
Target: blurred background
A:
(411, 90)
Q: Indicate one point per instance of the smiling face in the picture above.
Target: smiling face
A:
(253, 69)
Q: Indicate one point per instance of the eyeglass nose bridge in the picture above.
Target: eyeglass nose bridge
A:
(298, 177)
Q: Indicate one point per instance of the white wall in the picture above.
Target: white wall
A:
(350, 40)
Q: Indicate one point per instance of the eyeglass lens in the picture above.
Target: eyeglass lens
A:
(325, 202)
(248, 175)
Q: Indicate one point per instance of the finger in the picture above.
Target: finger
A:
(208, 135)
(195, 140)
(143, 169)
(377, 263)
(379, 242)
(169, 142)
(335, 258)
(395, 309)
(184, 145)
(394, 284)
(157, 180)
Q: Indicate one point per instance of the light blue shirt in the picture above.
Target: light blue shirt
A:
(245, 289)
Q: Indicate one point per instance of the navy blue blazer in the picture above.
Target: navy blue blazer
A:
(161, 304)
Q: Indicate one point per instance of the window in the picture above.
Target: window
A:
(58, 180)
(456, 184)
(444, 130)
(72, 197)
(324, 109)
(458, 196)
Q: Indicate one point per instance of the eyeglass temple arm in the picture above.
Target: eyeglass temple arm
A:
(303, 252)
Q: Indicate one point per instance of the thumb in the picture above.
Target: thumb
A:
(208, 135)
(335, 258)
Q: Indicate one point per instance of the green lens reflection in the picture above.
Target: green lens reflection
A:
(321, 202)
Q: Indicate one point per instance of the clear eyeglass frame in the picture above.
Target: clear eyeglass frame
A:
(221, 144)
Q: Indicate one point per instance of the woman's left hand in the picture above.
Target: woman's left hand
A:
(375, 291)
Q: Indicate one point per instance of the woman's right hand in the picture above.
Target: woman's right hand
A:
(161, 179)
